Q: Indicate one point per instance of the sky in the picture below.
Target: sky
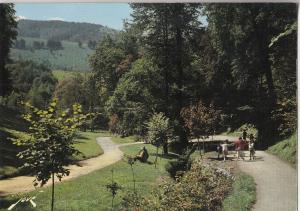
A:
(106, 14)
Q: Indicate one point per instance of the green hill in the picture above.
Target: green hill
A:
(77, 39)
(62, 30)
(71, 57)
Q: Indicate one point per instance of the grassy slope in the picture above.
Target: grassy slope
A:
(286, 150)
(72, 57)
(89, 192)
(12, 125)
(243, 194)
(119, 140)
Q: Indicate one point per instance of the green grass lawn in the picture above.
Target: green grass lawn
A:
(89, 192)
(243, 194)
(86, 143)
(286, 150)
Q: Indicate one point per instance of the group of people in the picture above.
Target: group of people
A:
(240, 145)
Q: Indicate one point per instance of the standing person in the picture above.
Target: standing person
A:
(243, 147)
(238, 147)
(251, 147)
(225, 149)
(244, 134)
(219, 150)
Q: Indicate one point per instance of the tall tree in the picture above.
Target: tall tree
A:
(104, 63)
(244, 32)
(8, 32)
(166, 31)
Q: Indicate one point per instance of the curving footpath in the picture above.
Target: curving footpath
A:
(111, 154)
(276, 182)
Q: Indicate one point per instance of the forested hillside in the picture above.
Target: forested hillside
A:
(61, 30)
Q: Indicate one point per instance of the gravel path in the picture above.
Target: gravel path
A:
(276, 182)
(111, 154)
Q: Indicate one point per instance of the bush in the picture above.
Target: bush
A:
(202, 188)
(179, 166)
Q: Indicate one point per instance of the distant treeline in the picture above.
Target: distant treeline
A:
(50, 45)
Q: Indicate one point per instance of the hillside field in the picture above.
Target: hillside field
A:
(72, 57)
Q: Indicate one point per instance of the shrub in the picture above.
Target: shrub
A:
(202, 188)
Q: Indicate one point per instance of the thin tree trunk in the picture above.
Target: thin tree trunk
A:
(112, 203)
(133, 178)
(156, 156)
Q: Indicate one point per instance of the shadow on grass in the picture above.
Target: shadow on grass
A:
(147, 162)
(81, 136)
(169, 156)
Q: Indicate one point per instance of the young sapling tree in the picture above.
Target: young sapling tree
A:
(158, 132)
(200, 120)
(50, 146)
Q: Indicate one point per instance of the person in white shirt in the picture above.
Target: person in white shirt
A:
(225, 149)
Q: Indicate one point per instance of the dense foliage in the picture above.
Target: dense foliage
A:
(32, 82)
(135, 97)
(256, 70)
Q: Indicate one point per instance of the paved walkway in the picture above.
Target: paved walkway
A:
(276, 182)
(111, 154)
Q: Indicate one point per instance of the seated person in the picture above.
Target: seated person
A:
(142, 156)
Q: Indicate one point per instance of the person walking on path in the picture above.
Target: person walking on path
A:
(239, 146)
